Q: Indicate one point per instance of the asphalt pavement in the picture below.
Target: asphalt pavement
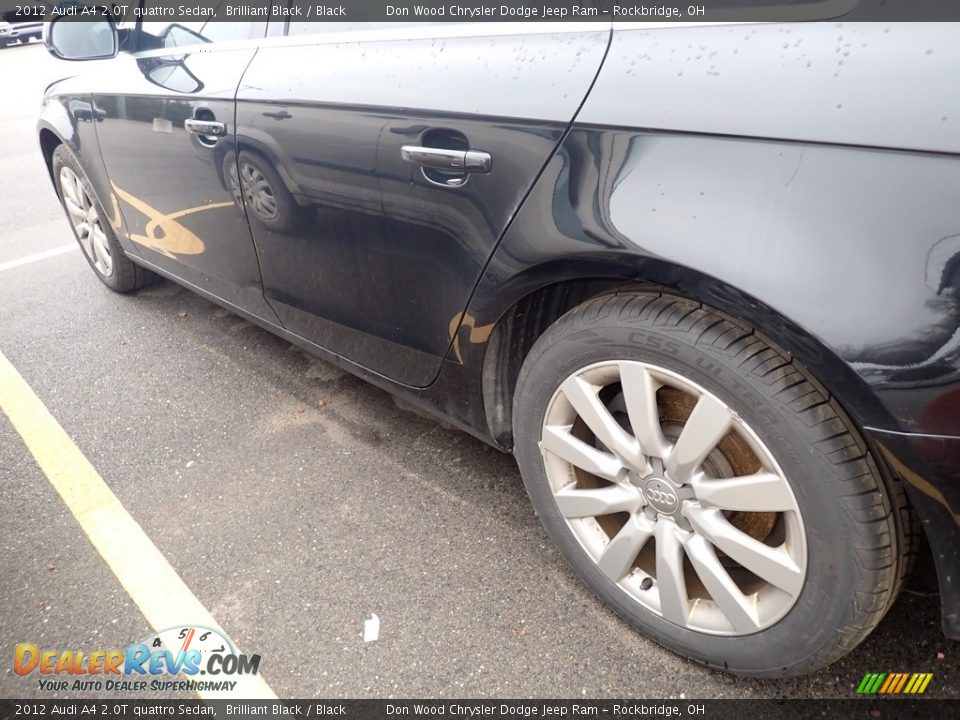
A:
(295, 500)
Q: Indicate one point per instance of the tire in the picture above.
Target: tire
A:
(262, 192)
(92, 230)
(782, 573)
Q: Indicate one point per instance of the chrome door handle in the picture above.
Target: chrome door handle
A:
(467, 161)
(205, 127)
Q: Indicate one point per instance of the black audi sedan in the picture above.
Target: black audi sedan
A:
(702, 280)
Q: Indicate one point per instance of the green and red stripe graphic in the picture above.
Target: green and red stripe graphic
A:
(894, 683)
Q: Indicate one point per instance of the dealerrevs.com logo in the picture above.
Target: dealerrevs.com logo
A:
(187, 658)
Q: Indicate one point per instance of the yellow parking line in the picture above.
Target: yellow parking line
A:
(152, 583)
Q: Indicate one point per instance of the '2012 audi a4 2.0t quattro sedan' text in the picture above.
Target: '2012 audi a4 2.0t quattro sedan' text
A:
(708, 298)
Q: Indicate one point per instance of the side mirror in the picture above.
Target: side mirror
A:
(70, 39)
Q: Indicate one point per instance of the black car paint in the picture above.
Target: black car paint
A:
(179, 216)
(384, 265)
(765, 170)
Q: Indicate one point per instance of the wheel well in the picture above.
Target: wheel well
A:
(513, 336)
(48, 143)
(521, 325)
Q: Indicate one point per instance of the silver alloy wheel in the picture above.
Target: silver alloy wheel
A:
(674, 497)
(86, 221)
(258, 192)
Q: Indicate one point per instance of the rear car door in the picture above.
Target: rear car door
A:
(166, 167)
(368, 246)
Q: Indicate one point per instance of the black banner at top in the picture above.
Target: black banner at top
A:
(422, 11)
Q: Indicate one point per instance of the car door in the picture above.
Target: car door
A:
(166, 133)
(388, 161)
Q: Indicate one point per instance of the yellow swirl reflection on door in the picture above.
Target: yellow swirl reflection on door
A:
(162, 232)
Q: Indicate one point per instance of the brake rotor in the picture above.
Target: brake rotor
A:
(731, 458)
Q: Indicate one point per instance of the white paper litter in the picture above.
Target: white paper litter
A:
(371, 628)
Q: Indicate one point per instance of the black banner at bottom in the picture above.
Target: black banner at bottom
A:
(868, 709)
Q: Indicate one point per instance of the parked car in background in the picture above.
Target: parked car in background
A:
(703, 281)
(11, 33)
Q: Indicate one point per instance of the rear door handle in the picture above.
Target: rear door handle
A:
(468, 161)
(205, 127)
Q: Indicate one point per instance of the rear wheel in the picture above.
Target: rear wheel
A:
(706, 485)
(92, 229)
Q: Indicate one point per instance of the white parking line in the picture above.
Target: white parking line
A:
(35, 257)
(146, 575)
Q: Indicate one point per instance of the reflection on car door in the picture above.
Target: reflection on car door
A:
(166, 166)
(379, 247)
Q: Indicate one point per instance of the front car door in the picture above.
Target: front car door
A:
(368, 248)
(166, 167)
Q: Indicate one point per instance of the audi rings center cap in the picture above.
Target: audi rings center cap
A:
(661, 495)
